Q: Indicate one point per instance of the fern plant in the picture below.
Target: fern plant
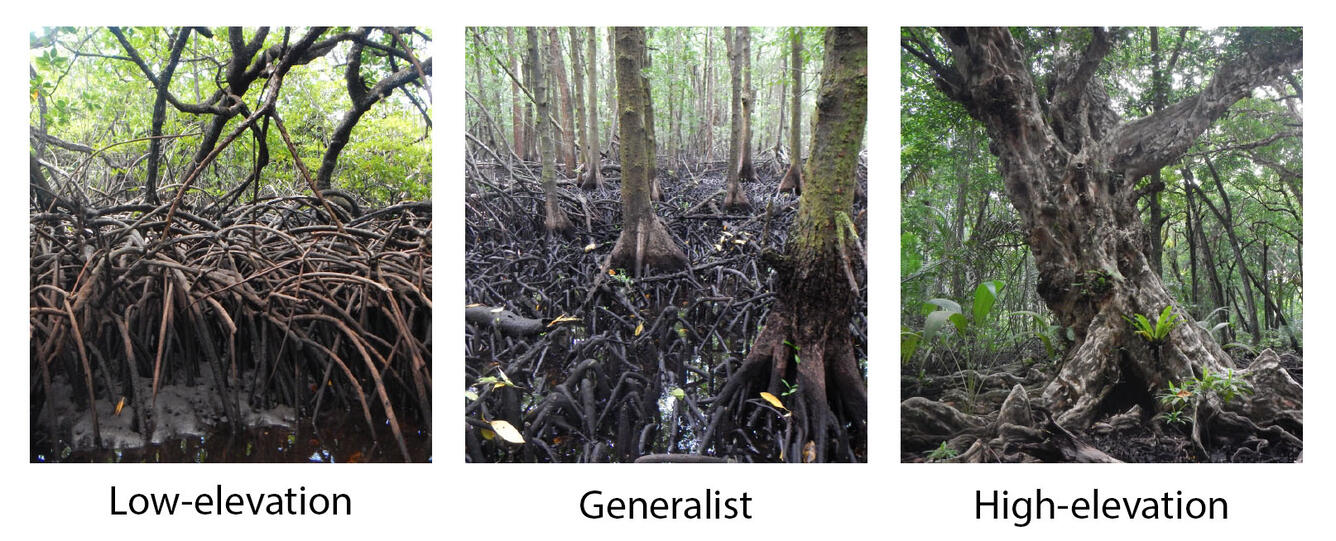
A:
(1157, 331)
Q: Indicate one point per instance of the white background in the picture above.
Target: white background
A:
(450, 499)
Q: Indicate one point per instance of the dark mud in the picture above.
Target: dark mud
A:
(634, 375)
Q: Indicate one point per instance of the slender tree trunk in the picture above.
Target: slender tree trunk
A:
(478, 81)
(581, 115)
(644, 241)
(734, 195)
(594, 176)
(806, 338)
(783, 105)
(517, 119)
(612, 98)
(564, 88)
(793, 180)
(1191, 224)
(652, 137)
(707, 97)
(555, 220)
(1226, 218)
(746, 172)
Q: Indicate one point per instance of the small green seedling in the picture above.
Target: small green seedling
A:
(942, 452)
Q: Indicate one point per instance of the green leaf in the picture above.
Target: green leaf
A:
(959, 321)
(934, 323)
(945, 304)
(909, 342)
(984, 297)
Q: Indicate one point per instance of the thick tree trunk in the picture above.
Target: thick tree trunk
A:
(806, 338)
(793, 180)
(734, 195)
(644, 241)
(555, 220)
(1070, 171)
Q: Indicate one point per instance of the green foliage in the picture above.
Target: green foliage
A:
(942, 452)
(1156, 332)
(941, 311)
(83, 90)
(1181, 400)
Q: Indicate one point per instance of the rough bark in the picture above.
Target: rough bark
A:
(1070, 171)
(734, 196)
(555, 219)
(806, 336)
(793, 180)
(644, 241)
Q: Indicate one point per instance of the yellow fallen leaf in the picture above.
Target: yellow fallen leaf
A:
(507, 431)
(640, 328)
(809, 452)
(591, 247)
(773, 401)
(120, 405)
(563, 319)
(488, 434)
(474, 305)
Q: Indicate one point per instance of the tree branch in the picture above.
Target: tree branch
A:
(1149, 143)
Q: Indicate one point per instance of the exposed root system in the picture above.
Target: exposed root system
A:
(592, 363)
(273, 303)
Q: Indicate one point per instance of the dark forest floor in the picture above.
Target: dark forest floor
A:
(635, 374)
(1125, 434)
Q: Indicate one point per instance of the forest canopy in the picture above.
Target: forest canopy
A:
(90, 90)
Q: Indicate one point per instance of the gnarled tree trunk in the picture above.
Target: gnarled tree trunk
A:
(1070, 166)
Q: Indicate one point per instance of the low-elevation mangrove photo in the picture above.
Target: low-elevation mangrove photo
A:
(1101, 245)
(665, 245)
(231, 244)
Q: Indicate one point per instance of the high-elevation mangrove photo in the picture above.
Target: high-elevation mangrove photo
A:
(231, 244)
(665, 244)
(1101, 244)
